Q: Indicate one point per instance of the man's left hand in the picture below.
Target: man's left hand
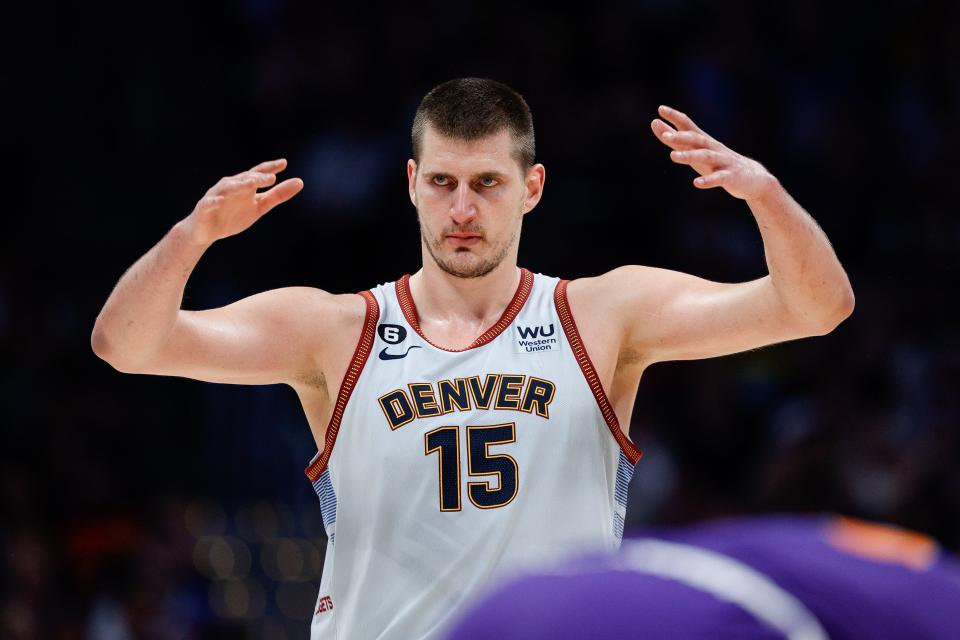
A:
(717, 165)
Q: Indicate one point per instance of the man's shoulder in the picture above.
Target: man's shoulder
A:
(336, 311)
(615, 284)
(612, 302)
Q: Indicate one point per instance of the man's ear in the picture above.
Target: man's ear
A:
(533, 182)
(412, 180)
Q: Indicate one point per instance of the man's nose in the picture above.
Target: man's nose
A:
(463, 209)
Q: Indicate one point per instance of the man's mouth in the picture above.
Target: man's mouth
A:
(464, 238)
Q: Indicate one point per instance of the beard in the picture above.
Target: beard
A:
(474, 269)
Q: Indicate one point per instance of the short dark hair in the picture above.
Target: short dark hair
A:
(473, 108)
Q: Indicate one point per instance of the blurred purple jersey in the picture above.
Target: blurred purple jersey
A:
(795, 577)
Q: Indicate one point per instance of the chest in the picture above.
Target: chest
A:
(474, 426)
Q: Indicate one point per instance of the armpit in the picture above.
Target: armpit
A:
(628, 358)
(314, 379)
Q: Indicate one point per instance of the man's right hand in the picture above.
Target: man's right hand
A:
(233, 204)
(300, 336)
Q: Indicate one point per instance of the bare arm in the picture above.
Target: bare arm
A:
(667, 315)
(141, 328)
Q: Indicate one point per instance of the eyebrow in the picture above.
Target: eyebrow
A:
(482, 174)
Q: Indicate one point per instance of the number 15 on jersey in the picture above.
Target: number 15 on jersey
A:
(445, 441)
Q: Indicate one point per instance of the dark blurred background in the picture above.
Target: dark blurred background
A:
(148, 507)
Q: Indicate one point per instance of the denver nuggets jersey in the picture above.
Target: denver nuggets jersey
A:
(444, 469)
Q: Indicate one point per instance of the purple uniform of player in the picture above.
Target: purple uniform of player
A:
(802, 578)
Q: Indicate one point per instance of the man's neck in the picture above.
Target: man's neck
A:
(445, 299)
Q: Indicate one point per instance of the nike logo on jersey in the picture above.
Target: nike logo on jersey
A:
(384, 355)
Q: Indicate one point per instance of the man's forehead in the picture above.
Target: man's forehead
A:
(493, 152)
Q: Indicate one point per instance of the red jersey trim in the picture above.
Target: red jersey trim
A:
(593, 380)
(360, 355)
(519, 298)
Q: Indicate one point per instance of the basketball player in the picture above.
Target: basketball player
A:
(473, 417)
(749, 578)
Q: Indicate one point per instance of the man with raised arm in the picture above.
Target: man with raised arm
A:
(471, 418)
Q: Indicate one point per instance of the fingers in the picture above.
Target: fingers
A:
(270, 166)
(258, 179)
(259, 176)
(691, 146)
(699, 156)
(715, 179)
(246, 180)
(279, 194)
(660, 128)
(678, 119)
(681, 140)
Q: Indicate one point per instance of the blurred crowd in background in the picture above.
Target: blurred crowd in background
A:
(147, 507)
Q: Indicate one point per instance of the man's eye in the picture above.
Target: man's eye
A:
(440, 180)
(488, 181)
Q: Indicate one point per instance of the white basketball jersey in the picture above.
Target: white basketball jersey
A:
(443, 469)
